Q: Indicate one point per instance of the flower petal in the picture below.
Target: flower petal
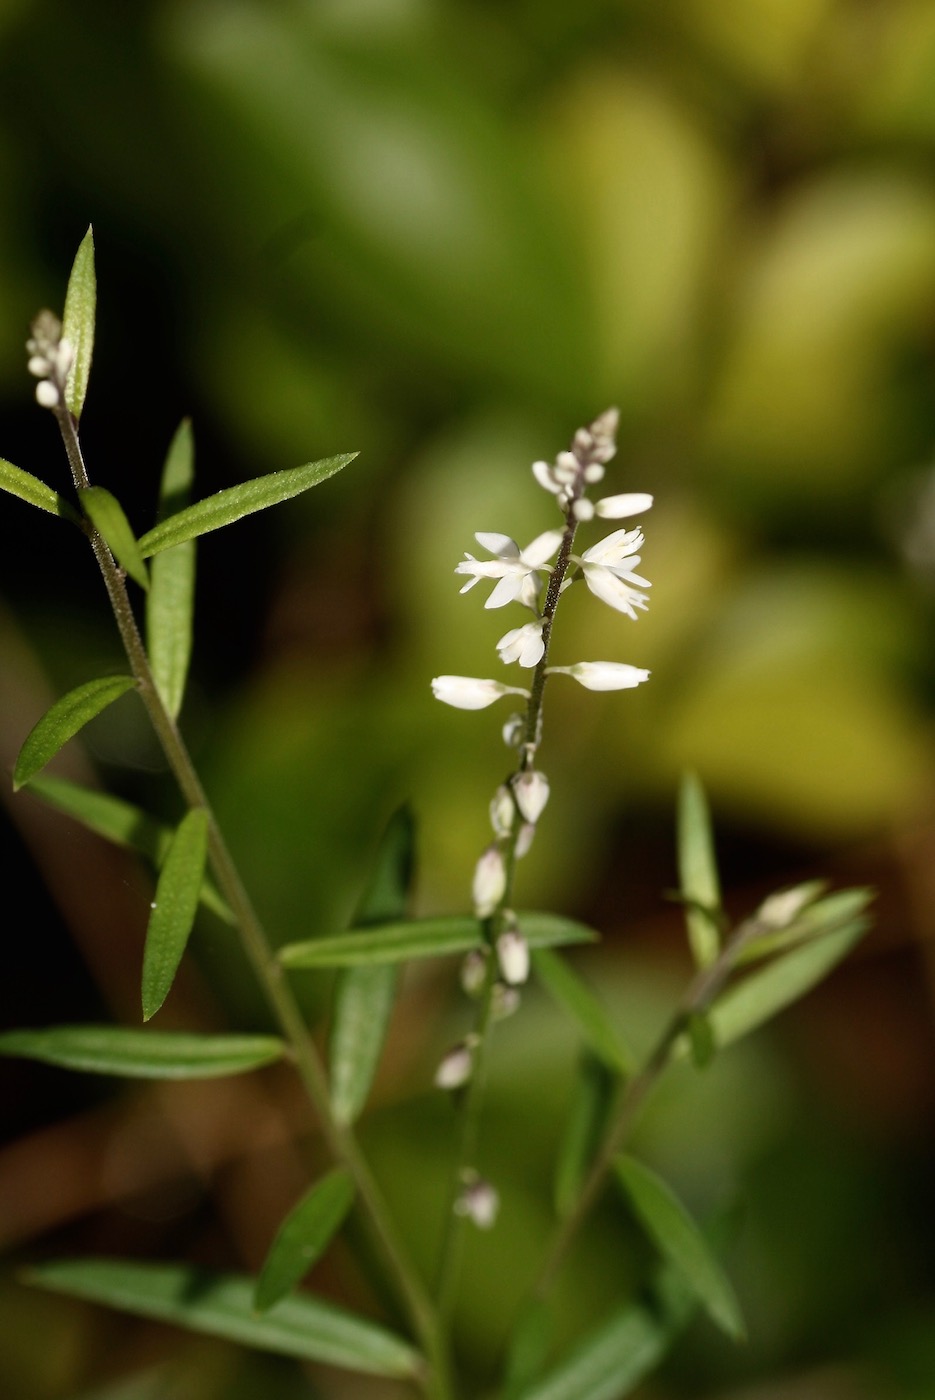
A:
(500, 545)
(618, 507)
(542, 548)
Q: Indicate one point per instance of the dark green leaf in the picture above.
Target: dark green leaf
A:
(78, 323)
(221, 1305)
(170, 602)
(31, 489)
(386, 896)
(122, 823)
(237, 501)
(303, 1237)
(106, 515)
(587, 1119)
(423, 938)
(139, 1054)
(701, 1039)
(528, 1348)
(177, 893)
(698, 875)
(62, 722)
(576, 998)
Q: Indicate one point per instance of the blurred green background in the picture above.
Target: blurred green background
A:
(445, 234)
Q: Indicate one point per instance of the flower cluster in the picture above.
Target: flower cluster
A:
(50, 358)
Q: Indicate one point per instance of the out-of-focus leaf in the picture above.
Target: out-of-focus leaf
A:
(221, 1305)
(698, 875)
(303, 1236)
(237, 501)
(423, 938)
(566, 987)
(62, 722)
(30, 488)
(177, 892)
(139, 1054)
(825, 916)
(587, 1118)
(528, 1348)
(78, 323)
(701, 1039)
(681, 1242)
(171, 599)
(107, 516)
(122, 823)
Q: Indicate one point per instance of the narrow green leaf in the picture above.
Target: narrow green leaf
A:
(221, 1305)
(698, 876)
(237, 501)
(423, 938)
(139, 1054)
(170, 602)
(528, 1348)
(303, 1237)
(106, 515)
(762, 994)
(78, 323)
(587, 1119)
(825, 916)
(701, 1039)
(63, 720)
(680, 1241)
(170, 923)
(364, 995)
(35, 492)
(572, 994)
(121, 823)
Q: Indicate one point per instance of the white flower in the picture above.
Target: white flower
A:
(513, 957)
(603, 675)
(471, 693)
(608, 571)
(531, 790)
(502, 811)
(489, 884)
(619, 507)
(478, 1201)
(455, 1069)
(516, 570)
(523, 644)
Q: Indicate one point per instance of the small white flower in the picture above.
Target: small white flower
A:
(603, 675)
(513, 957)
(502, 811)
(471, 693)
(513, 731)
(619, 507)
(608, 571)
(478, 1201)
(504, 1001)
(524, 840)
(474, 971)
(523, 644)
(456, 1067)
(531, 790)
(516, 570)
(489, 884)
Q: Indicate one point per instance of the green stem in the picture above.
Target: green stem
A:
(269, 971)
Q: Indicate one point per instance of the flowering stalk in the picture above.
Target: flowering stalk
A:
(607, 568)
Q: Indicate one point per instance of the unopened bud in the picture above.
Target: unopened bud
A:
(531, 790)
(524, 838)
(582, 509)
(474, 971)
(455, 1069)
(503, 1001)
(781, 909)
(489, 884)
(47, 394)
(478, 1201)
(513, 957)
(513, 731)
(502, 811)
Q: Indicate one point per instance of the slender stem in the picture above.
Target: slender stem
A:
(269, 971)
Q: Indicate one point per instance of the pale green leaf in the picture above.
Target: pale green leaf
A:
(573, 995)
(106, 515)
(170, 602)
(588, 1113)
(698, 875)
(173, 913)
(237, 501)
(681, 1242)
(423, 938)
(78, 323)
(35, 492)
(303, 1237)
(221, 1305)
(63, 720)
(121, 823)
(139, 1054)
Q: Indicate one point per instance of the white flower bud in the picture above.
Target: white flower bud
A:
(478, 1202)
(782, 908)
(524, 840)
(47, 394)
(40, 366)
(603, 675)
(513, 957)
(456, 1067)
(531, 790)
(566, 468)
(474, 971)
(619, 507)
(468, 692)
(502, 811)
(504, 1001)
(594, 473)
(489, 884)
(545, 477)
(582, 509)
(513, 731)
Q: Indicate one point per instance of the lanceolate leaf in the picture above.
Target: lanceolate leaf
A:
(139, 1054)
(174, 907)
(106, 515)
(698, 876)
(681, 1242)
(576, 998)
(221, 1305)
(303, 1237)
(528, 1348)
(237, 501)
(122, 823)
(828, 915)
(30, 488)
(590, 1106)
(171, 599)
(78, 323)
(62, 722)
(423, 938)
